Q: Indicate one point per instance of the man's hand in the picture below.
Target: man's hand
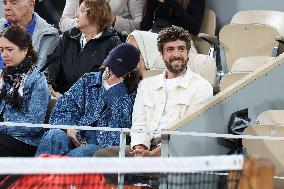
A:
(52, 91)
(138, 150)
(141, 151)
(72, 134)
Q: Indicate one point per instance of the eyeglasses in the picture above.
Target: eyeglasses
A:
(83, 9)
(180, 49)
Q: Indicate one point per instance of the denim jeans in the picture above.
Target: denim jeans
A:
(57, 142)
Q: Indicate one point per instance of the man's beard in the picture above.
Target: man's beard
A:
(173, 69)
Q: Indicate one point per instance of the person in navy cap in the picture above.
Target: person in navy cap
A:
(99, 99)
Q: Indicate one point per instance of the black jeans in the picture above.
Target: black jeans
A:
(12, 147)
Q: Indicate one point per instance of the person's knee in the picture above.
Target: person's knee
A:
(55, 141)
(112, 151)
(84, 151)
(56, 134)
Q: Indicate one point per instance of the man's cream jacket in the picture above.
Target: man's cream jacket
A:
(191, 91)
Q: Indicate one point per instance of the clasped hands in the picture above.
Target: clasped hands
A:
(141, 151)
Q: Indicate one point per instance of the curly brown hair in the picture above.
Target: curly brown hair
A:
(99, 13)
(173, 33)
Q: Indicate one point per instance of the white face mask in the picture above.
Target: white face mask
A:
(106, 85)
(104, 77)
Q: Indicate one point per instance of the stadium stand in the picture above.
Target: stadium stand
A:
(254, 82)
(254, 92)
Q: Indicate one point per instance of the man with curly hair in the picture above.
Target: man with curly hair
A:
(165, 98)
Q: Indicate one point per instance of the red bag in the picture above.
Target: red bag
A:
(54, 181)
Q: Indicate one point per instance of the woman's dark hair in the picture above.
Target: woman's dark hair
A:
(99, 12)
(132, 79)
(22, 39)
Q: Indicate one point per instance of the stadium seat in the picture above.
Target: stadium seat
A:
(208, 29)
(242, 67)
(271, 117)
(267, 17)
(242, 40)
(250, 64)
(230, 79)
(269, 149)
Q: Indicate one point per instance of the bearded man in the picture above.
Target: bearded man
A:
(165, 98)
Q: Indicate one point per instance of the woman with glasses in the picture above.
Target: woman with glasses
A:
(24, 94)
(83, 48)
(126, 14)
(98, 99)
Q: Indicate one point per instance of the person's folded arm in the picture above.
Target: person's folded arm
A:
(67, 20)
(136, 11)
(70, 106)
(139, 119)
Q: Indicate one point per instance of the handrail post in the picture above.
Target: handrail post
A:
(122, 146)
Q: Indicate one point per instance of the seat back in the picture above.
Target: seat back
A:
(267, 17)
(271, 117)
(208, 26)
(151, 73)
(244, 40)
(204, 65)
(229, 79)
(269, 149)
(250, 64)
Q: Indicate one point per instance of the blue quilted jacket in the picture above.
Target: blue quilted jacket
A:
(36, 98)
(88, 103)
